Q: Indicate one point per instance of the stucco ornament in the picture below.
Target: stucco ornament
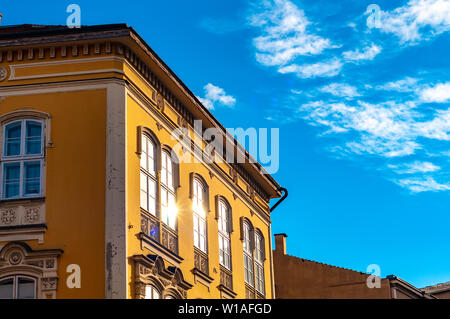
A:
(3, 73)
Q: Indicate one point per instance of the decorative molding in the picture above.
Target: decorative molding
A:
(3, 73)
(151, 270)
(17, 258)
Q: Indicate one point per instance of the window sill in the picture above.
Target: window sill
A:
(23, 232)
(22, 200)
(152, 245)
(226, 293)
(201, 277)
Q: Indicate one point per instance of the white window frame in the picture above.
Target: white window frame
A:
(15, 279)
(259, 264)
(150, 176)
(167, 187)
(23, 158)
(199, 216)
(249, 273)
(224, 235)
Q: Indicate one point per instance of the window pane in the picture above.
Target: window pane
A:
(152, 196)
(144, 190)
(172, 211)
(7, 288)
(26, 288)
(12, 139)
(32, 178)
(11, 174)
(33, 138)
(151, 293)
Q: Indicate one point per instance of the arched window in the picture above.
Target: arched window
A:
(168, 203)
(224, 216)
(198, 207)
(152, 293)
(259, 263)
(248, 253)
(148, 175)
(18, 287)
(22, 159)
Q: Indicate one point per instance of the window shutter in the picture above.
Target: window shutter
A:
(139, 141)
(241, 225)
(263, 246)
(217, 207)
(191, 185)
(206, 198)
(175, 170)
(230, 219)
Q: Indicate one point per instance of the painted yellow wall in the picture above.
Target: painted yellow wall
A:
(138, 116)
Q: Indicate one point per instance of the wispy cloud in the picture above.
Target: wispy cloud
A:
(414, 167)
(407, 84)
(340, 90)
(417, 20)
(367, 53)
(285, 34)
(215, 95)
(425, 184)
(321, 69)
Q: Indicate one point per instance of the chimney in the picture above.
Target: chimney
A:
(280, 243)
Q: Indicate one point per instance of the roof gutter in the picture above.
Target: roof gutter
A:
(285, 191)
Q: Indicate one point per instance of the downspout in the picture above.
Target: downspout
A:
(271, 243)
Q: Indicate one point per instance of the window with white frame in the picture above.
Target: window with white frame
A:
(224, 235)
(18, 287)
(148, 175)
(259, 263)
(22, 159)
(152, 293)
(168, 206)
(200, 236)
(248, 255)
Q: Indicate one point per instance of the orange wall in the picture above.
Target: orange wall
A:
(75, 184)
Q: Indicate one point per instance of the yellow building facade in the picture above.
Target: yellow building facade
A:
(99, 197)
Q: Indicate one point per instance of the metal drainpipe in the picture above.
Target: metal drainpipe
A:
(271, 242)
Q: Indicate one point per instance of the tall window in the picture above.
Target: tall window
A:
(248, 254)
(18, 287)
(259, 263)
(152, 293)
(22, 159)
(168, 207)
(148, 175)
(224, 235)
(200, 237)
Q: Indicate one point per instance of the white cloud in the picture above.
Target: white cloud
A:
(415, 167)
(422, 184)
(284, 34)
(216, 95)
(404, 85)
(417, 20)
(440, 93)
(368, 53)
(321, 69)
(340, 90)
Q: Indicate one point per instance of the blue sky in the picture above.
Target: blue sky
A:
(362, 108)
